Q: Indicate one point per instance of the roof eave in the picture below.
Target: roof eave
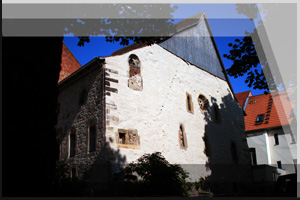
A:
(81, 71)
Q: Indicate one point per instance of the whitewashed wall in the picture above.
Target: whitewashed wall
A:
(284, 152)
(158, 110)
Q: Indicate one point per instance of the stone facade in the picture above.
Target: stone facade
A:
(147, 99)
(82, 106)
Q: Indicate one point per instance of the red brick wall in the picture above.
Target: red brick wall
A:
(69, 64)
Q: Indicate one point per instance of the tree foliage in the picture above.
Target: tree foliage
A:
(245, 61)
(146, 23)
(157, 177)
(244, 55)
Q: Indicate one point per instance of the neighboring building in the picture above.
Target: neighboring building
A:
(69, 63)
(270, 130)
(173, 97)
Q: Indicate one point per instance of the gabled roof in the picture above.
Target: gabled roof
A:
(69, 63)
(276, 107)
(180, 26)
(242, 96)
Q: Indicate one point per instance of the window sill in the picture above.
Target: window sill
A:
(190, 111)
(128, 146)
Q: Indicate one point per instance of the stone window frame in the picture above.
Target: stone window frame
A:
(127, 133)
(182, 140)
(72, 132)
(203, 103)
(134, 69)
(91, 124)
(189, 103)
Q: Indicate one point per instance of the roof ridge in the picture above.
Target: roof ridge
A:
(193, 17)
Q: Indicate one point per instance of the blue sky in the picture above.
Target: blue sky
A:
(225, 22)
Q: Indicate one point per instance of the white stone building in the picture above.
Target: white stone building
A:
(173, 97)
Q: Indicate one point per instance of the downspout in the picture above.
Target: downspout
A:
(268, 147)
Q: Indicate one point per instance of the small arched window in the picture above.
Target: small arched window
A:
(182, 137)
(189, 103)
(135, 78)
(203, 102)
(72, 142)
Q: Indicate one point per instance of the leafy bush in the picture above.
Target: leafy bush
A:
(153, 175)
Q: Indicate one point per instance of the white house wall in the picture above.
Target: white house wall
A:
(283, 152)
(157, 111)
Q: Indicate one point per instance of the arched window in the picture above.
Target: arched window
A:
(72, 142)
(135, 78)
(182, 137)
(189, 103)
(203, 102)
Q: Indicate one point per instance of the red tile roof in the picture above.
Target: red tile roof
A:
(242, 96)
(276, 107)
(69, 63)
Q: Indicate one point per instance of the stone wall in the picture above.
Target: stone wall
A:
(81, 106)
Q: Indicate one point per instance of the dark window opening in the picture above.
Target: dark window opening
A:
(189, 103)
(122, 137)
(253, 156)
(72, 143)
(92, 138)
(182, 137)
(233, 151)
(260, 118)
(203, 102)
(276, 139)
(279, 164)
(128, 137)
(134, 65)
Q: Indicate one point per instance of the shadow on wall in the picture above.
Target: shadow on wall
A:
(95, 179)
(227, 150)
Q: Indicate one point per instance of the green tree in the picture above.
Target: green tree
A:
(249, 54)
(157, 177)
